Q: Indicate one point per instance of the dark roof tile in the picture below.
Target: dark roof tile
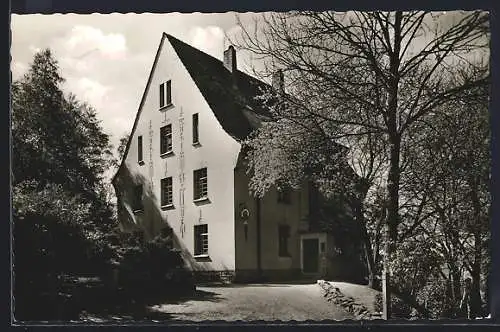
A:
(231, 97)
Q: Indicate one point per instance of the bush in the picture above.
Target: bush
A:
(150, 267)
(399, 308)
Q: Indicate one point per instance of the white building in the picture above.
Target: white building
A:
(183, 169)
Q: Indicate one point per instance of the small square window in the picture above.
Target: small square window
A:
(201, 240)
(283, 235)
(166, 139)
(166, 94)
(139, 150)
(137, 198)
(200, 183)
(166, 191)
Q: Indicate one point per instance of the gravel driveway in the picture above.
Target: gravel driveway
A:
(255, 302)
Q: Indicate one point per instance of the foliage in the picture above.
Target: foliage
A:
(399, 308)
(122, 146)
(447, 179)
(49, 243)
(149, 266)
(370, 81)
(56, 139)
(60, 212)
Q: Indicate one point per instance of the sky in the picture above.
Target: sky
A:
(106, 59)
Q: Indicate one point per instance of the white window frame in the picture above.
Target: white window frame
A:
(166, 193)
(203, 245)
(166, 88)
(200, 183)
(162, 137)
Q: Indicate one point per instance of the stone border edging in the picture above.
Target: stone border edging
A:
(335, 296)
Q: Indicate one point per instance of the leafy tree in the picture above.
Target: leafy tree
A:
(359, 75)
(448, 184)
(56, 139)
(122, 146)
(60, 216)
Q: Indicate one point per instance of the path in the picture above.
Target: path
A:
(255, 302)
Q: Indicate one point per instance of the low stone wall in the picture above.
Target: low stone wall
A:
(268, 275)
(247, 276)
(335, 296)
(224, 277)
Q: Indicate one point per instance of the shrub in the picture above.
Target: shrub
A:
(399, 308)
(150, 267)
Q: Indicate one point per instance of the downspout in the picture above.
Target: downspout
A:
(258, 221)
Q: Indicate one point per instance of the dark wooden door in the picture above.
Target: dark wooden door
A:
(310, 255)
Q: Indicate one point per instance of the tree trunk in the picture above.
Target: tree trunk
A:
(392, 222)
(456, 294)
(371, 268)
(476, 284)
(394, 170)
(367, 246)
(476, 266)
(370, 263)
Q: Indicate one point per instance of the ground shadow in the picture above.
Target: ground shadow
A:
(132, 305)
(281, 283)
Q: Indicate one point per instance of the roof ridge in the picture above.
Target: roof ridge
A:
(211, 78)
(170, 37)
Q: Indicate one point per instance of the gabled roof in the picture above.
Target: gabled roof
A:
(231, 96)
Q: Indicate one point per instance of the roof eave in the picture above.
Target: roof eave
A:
(143, 99)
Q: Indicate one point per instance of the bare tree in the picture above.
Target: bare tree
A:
(355, 74)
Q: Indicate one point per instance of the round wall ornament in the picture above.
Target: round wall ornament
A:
(244, 214)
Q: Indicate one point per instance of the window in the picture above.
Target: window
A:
(283, 235)
(139, 149)
(285, 195)
(195, 128)
(137, 198)
(200, 183)
(201, 240)
(166, 191)
(166, 139)
(166, 94)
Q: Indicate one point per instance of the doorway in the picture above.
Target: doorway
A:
(310, 254)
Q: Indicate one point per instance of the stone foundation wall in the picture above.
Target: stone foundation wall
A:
(249, 276)
(226, 276)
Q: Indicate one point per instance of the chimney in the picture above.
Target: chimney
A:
(278, 81)
(230, 59)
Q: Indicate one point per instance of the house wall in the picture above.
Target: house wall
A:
(272, 215)
(218, 152)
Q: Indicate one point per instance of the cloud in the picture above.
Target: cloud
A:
(34, 49)
(209, 39)
(89, 90)
(18, 69)
(105, 59)
(86, 39)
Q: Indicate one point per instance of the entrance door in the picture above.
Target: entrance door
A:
(310, 255)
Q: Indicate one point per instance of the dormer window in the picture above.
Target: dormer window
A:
(166, 94)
